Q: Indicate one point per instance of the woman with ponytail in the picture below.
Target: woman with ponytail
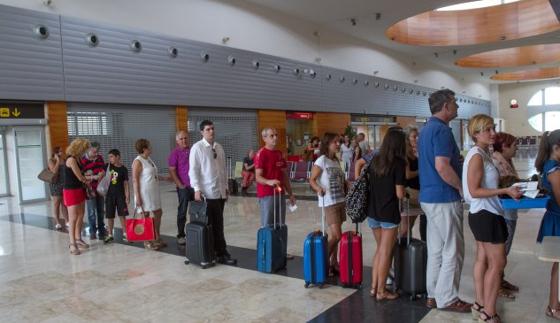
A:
(548, 166)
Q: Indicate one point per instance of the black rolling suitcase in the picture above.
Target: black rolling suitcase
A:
(233, 186)
(410, 263)
(200, 241)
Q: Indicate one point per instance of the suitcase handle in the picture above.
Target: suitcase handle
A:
(276, 189)
(323, 216)
(404, 206)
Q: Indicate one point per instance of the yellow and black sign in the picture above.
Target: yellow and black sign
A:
(21, 111)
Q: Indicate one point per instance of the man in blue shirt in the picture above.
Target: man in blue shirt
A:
(440, 198)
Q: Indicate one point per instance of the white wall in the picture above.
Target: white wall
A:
(262, 30)
(516, 119)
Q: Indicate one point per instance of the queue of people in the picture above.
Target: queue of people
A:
(425, 168)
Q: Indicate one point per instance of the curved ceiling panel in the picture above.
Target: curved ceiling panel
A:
(477, 26)
(537, 74)
(510, 57)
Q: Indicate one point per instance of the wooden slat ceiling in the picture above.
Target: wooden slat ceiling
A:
(477, 26)
(537, 74)
(510, 57)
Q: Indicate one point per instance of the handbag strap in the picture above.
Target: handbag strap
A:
(136, 211)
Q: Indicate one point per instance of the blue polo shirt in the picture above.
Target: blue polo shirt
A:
(436, 139)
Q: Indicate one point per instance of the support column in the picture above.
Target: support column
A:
(181, 118)
(57, 125)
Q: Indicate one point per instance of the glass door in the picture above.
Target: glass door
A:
(4, 184)
(30, 162)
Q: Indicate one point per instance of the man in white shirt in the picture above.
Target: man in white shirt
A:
(208, 178)
(364, 146)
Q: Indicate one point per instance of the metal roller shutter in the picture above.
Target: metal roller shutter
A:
(236, 129)
(119, 126)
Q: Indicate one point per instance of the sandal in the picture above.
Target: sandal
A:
(74, 249)
(509, 286)
(476, 310)
(505, 293)
(151, 246)
(372, 292)
(82, 244)
(553, 312)
(386, 296)
(485, 318)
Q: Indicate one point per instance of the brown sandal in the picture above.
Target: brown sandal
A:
(502, 292)
(509, 286)
(386, 296)
(553, 312)
(82, 244)
(485, 318)
(74, 249)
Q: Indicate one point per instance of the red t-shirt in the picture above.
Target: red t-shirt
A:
(273, 166)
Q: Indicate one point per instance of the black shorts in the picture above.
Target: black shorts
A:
(115, 204)
(488, 227)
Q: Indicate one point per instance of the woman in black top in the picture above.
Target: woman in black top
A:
(74, 194)
(412, 185)
(386, 188)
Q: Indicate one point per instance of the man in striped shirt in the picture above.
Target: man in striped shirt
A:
(92, 164)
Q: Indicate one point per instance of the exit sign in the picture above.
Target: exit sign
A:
(22, 111)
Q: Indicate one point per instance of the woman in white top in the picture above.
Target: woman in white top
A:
(347, 152)
(146, 189)
(328, 180)
(480, 189)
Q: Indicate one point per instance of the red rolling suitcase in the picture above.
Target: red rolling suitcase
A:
(351, 263)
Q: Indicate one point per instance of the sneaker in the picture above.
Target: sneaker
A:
(458, 306)
(181, 241)
(124, 239)
(108, 239)
(58, 226)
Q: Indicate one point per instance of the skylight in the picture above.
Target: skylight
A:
(475, 5)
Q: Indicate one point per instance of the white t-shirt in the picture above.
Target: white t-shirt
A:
(346, 153)
(331, 180)
(490, 180)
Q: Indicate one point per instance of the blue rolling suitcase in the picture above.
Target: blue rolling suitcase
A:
(272, 243)
(315, 256)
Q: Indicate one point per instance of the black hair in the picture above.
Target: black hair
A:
(438, 99)
(205, 123)
(392, 149)
(114, 152)
(548, 140)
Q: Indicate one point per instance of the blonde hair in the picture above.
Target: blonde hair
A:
(77, 147)
(478, 123)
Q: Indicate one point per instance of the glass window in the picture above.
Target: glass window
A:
(552, 120)
(552, 95)
(29, 150)
(536, 122)
(537, 99)
(475, 5)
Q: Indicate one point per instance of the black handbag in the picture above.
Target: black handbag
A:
(357, 197)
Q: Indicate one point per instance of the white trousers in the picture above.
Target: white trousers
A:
(446, 250)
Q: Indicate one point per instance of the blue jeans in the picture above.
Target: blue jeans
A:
(374, 224)
(267, 210)
(95, 211)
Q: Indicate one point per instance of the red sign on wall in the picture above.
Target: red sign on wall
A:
(299, 115)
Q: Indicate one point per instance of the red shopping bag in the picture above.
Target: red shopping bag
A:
(140, 229)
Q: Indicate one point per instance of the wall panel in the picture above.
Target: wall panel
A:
(57, 125)
(273, 119)
(31, 67)
(330, 122)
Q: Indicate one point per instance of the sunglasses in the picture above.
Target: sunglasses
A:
(215, 154)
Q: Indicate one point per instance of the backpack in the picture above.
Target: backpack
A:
(357, 197)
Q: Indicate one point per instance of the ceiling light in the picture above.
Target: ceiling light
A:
(436, 55)
(377, 15)
(353, 21)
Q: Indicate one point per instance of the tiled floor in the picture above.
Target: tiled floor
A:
(41, 282)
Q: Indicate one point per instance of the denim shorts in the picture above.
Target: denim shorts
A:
(374, 224)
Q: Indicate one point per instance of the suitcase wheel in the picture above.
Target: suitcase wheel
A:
(321, 286)
(306, 285)
(204, 266)
(187, 262)
(413, 297)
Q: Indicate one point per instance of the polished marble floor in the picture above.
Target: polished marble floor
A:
(119, 282)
